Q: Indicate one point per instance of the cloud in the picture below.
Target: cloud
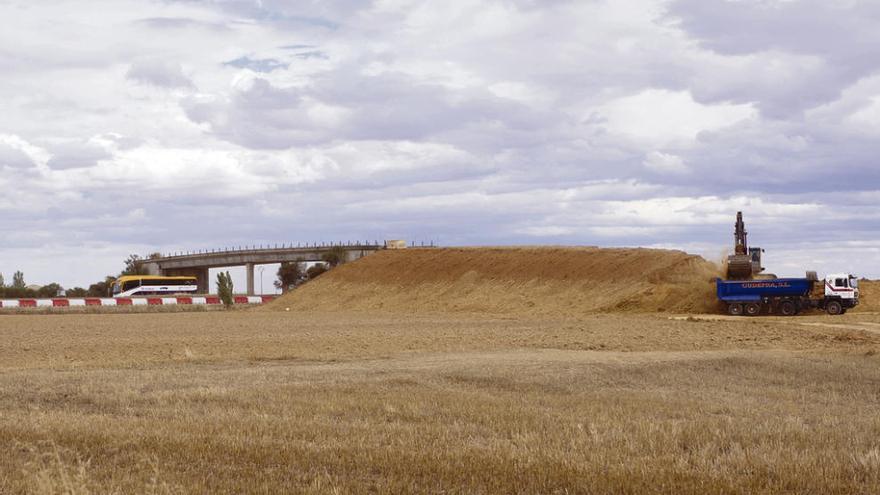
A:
(76, 154)
(17, 153)
(665, 117)
(14, 157)
(665, 163)
(257, 65)
(158, 72)
(166, 23)
(809, 50)
(625, 122)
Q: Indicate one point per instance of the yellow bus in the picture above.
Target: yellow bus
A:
(144, 285)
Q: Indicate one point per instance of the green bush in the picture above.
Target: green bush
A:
(225, 289)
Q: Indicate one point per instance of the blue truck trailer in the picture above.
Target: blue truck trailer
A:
(788, 296)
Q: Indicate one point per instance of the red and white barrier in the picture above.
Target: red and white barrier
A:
(129, 301)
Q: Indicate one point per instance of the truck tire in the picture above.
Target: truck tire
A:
(834, 308)
(753, 309)
(735, 309)
(787, 308)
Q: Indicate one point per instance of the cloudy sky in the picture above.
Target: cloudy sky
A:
(133, 126)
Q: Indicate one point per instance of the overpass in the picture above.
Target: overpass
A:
(196, 264)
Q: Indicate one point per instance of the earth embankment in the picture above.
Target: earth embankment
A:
(540, 281)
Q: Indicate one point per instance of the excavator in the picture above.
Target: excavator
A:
(745, 262)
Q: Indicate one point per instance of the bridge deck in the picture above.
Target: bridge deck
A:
(198, 263)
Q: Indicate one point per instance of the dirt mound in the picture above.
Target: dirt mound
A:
(514, 281)
(869, 296)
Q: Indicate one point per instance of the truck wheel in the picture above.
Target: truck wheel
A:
(787, 308)
(735, 309)
(753, 309)
(834, 308)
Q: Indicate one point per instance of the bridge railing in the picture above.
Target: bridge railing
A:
(285, 246)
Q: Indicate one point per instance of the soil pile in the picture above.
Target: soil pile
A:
(869, 296)
(514, 281)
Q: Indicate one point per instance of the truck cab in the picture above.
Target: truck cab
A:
(841, 292)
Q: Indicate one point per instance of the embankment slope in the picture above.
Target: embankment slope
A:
(869, 301)
(541, 281)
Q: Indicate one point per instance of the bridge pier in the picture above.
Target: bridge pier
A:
(250, 279)
(203, 279)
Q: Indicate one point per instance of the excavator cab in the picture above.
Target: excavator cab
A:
(755, 254)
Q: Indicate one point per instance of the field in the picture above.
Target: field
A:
(390, 400)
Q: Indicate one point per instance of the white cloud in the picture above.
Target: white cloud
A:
(159, 72)
(15, 152)
(662, 117)
(665, 163)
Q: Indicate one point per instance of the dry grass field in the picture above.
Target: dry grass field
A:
(267, 402)
(440, 398)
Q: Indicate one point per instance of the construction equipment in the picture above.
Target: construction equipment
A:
(745, 262)
(747, 292)
(789, 296)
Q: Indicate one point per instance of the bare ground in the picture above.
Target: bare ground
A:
(268, 402)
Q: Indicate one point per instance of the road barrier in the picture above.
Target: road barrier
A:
(129, 301)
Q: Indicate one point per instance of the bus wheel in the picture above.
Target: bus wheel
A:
(753, 309)
(787, 308)
(834, 308)
(735, 309)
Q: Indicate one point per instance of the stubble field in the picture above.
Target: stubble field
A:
(272, 402)
(531, 370)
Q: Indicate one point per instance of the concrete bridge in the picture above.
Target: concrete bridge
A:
(196, 264)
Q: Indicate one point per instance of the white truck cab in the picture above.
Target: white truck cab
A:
(842, 288)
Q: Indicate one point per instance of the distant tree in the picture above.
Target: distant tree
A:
(335, 256)
(77, 292)
(289, 274)
(102, 288)
(154, 256)
(18, 281)
(132, 266)
(50, 290)
(315, 271)
(225, 289)
(2, 281)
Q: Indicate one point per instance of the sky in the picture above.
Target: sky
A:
(137, 126)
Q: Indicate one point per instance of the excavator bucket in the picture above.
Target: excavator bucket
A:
(739, 267)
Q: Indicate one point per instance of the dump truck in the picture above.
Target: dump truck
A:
(789, 296)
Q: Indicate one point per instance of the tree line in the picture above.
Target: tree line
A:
(19, 288)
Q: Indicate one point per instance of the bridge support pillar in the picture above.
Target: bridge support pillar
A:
(250, 279)
(152, 269)
(203, 280)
